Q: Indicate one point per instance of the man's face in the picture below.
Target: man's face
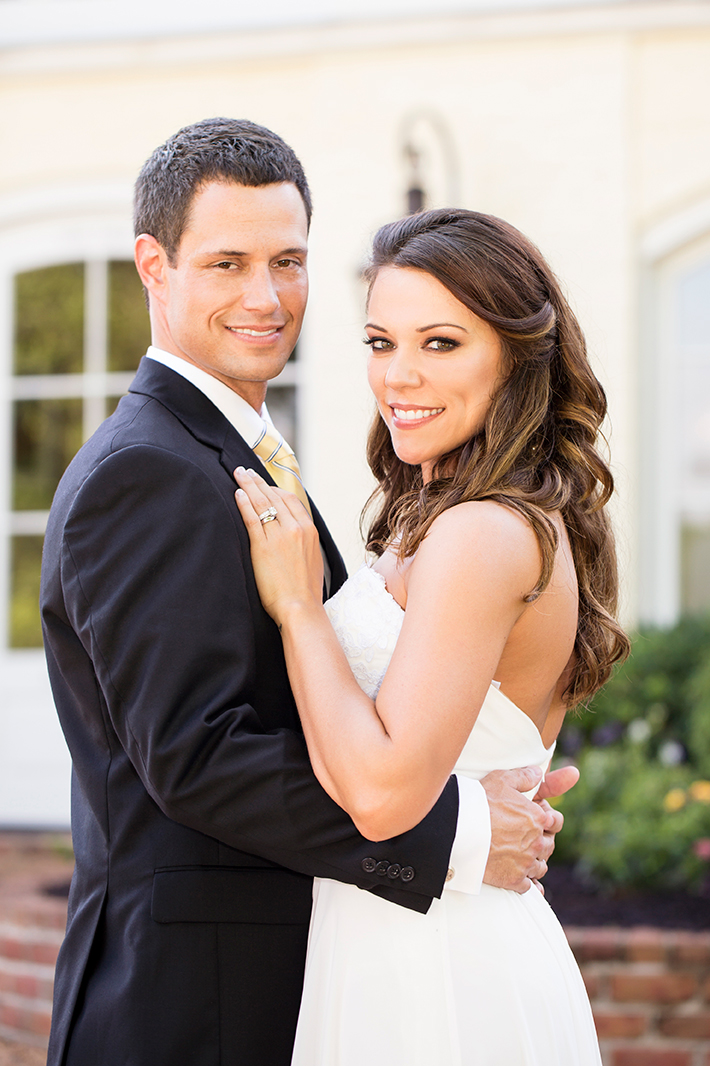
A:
(233, 301)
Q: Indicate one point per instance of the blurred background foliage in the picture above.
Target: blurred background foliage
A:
(639, 818)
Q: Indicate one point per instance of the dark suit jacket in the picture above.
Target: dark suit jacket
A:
(197, 821)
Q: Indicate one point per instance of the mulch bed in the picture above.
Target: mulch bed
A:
(575, 903)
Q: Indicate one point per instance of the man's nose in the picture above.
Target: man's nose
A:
(260, 293)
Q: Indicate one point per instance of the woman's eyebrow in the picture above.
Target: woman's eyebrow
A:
(438, 325)
(420, 329)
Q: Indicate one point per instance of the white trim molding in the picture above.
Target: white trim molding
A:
(75, 35)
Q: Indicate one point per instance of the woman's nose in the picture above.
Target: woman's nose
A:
(402, 370)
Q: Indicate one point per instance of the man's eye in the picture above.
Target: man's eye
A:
(287, 263)
(226, 265)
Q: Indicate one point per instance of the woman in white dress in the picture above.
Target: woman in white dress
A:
(487, 613)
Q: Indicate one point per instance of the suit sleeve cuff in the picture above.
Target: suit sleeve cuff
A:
(469, 853)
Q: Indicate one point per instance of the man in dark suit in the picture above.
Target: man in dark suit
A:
(197, 821)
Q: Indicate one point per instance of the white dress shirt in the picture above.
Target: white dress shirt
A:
(472, 842)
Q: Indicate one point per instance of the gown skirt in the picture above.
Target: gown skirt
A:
(480, 980)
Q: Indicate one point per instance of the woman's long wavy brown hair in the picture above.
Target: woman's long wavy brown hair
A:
(536, 452)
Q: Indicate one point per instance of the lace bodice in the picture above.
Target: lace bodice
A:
(367, 621)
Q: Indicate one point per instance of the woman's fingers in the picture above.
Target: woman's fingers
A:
(261, 495)
(248, 513)
(290, 502)
(285, 548)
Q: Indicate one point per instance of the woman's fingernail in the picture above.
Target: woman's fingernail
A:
(251, 473)
(240, 470)
(240, 493)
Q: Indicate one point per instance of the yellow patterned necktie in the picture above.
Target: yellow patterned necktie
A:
(279, 460)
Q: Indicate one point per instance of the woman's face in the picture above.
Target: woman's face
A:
(433, 367)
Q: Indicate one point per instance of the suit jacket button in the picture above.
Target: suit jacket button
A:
(369, 865)
(407, 873)
(394, 870)
(382, 868)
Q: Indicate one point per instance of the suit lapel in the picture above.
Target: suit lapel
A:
(198, 414)
(338, 573)
(207, 424)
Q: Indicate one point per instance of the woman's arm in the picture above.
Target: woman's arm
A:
(386, 762)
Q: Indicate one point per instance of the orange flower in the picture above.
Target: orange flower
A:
(700, 791)
(674, 800)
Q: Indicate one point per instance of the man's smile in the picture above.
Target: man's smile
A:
(247, 332)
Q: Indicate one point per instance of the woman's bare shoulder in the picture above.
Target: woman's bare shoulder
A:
(483, 533)
(481, 515)
(485, 523)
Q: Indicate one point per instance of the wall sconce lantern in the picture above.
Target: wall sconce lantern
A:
(430, 163)
(415, 195)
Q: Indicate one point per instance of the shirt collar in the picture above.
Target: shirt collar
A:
(247, 422)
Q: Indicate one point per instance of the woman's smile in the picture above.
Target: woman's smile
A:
(413, 417)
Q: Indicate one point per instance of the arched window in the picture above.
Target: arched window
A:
(73, 326)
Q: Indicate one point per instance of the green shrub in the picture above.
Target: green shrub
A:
(640, 815)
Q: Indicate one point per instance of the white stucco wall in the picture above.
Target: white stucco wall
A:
(585, 125)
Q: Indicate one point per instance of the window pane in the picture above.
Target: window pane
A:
(281, 401)
(128, 322)
(695, 569)
(47, 436)
(49, 320)
(693, 373)
(25, 628)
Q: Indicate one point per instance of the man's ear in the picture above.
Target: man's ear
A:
(151, 264)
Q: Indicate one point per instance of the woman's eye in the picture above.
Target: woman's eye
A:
(442, 344)
(379, 344)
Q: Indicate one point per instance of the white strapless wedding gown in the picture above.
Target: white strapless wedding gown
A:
(485, 980)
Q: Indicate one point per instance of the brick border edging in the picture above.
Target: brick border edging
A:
(650, 988)
(31, 933)
(650, 993)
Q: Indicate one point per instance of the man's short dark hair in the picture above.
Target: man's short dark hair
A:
(215, 149)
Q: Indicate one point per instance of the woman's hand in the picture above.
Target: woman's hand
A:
(285, 550)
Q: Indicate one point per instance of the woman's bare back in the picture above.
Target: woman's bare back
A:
(534, 665)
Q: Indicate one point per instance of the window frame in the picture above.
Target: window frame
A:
(668, 251)
(40, 228)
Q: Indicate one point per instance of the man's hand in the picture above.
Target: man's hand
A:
(522, 831)
(557, 782)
